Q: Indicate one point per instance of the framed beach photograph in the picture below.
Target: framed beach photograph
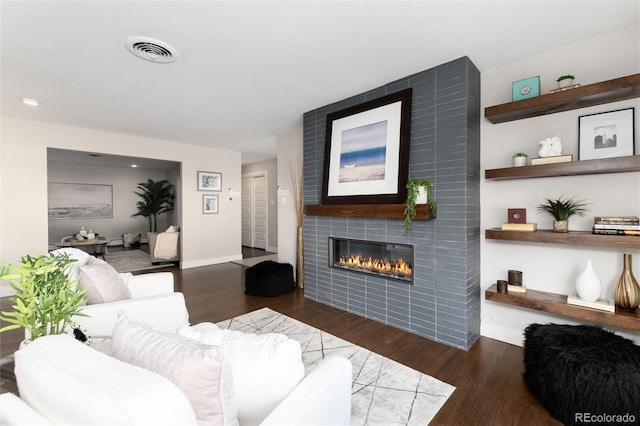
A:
(209, 181)
(366, 158)
(606, 134)
(79, 201)
(209, 204)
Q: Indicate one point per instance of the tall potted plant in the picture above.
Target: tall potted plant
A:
(417, 189)
(157, 198)
(561, 210)
(45, 298)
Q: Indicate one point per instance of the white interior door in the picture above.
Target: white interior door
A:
(247, 214)
(259, 185)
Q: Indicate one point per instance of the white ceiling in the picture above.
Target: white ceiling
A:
(247, 71)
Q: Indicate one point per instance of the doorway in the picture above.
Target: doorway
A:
(254, 210)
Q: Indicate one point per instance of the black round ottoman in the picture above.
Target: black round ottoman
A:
(269, 278)
(583, 374)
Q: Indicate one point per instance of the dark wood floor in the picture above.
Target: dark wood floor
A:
(488, 377)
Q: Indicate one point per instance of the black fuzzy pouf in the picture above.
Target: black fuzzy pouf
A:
(269, 278)
(580, 372)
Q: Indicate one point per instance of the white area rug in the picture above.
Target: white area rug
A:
(255, 260)
(131, 260)
(384, 392)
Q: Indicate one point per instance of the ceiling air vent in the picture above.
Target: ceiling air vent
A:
(151, 50)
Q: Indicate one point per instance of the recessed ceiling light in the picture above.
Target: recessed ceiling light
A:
(30, 101)
(151, 50)
(134, 165)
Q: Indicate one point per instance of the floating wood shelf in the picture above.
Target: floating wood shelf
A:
(384, 211)
(557, 304)
(626, 164)
(604, 92)
(582, 238)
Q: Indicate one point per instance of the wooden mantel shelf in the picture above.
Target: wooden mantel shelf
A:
(383, 211)
(557, 304)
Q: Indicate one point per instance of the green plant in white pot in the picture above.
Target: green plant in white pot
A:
(45, 298)
(417, 188)
(520, 159)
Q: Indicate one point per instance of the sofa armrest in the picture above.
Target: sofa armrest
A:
(167, 312)
(322, 398)
(17, 412)
(150, 284)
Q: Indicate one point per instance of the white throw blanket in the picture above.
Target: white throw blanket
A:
(166, 245)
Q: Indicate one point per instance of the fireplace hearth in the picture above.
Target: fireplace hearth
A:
(383, 259)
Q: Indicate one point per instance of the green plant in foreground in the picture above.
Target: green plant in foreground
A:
(562, 209)
(566, 77)
(520, 154)
(45, 298)
(413, 187)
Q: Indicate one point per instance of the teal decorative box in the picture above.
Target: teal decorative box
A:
(527, 88)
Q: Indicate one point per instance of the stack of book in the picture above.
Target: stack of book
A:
(552, 160)
(519, 226)
(600, 304)
(616, 225)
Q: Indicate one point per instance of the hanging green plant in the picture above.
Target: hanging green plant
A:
(413, 190)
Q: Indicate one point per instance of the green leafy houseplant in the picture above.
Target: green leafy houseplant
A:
(157, 198)
(45, 297)
(520, 154)
(566, 77)
(413, 189)
(561, 209)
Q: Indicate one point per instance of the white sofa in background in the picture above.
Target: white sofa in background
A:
(62, 381)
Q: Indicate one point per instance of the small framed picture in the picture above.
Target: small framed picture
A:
(209, 181)
(606, 134)
(525, 89)
(209, 204)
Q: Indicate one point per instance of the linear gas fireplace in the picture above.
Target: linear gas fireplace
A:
(387, 260)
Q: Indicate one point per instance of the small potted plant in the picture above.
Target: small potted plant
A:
(418, 192)
(45, 298)
(561, 209)
(565, 81)
(519, 159)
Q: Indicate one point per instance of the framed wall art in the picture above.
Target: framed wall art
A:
(525, 89)
(210, 204)
(209, 181)
(79, 201)
(606, 134)
(366, 158)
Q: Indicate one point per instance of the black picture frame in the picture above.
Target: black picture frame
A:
(371, 132)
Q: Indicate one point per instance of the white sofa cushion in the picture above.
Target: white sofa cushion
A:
(81, 258)
(266, 367)
(197, 369)
(102, 281)
(70, 383)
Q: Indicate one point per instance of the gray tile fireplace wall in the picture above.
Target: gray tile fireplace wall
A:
(444, 302)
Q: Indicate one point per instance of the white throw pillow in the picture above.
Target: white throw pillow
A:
(81, 258)
(266, 367)
(197, 369)
(173, 228)
(103, 282)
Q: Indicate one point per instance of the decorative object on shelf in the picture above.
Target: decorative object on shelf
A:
(552, 160)
(45, 298)
(550, 147)
(210, 204)
(157, 198)
(209, 181)
(516, 215)
(502, 286)
(514, 277)
(601, 304)
(588, 285)
(526, 88)
(366, 159)
(414, 188)
(519, 159)
(606, 134)
(615, 225)
(519, 227)
(296, 181)
(561, 210)
(565, 81)
(626, 292)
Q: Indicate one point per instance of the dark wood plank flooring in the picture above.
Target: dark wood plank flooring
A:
(488, 377)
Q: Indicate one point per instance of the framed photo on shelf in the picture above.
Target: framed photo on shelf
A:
(525, 89)
(606, 134)
(209, 181)
(366, 159)
(209, 204)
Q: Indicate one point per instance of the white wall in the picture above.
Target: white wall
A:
(289, 148)
(550, 267)
(270, 170)
(206, 239)
(124, 182)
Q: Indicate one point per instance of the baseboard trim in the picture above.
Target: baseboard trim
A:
(212, 261)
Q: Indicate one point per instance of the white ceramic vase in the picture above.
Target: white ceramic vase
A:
(588, 285)
(422, 195)
(519, 161)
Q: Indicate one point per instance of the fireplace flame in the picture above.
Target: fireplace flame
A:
(382, 266)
